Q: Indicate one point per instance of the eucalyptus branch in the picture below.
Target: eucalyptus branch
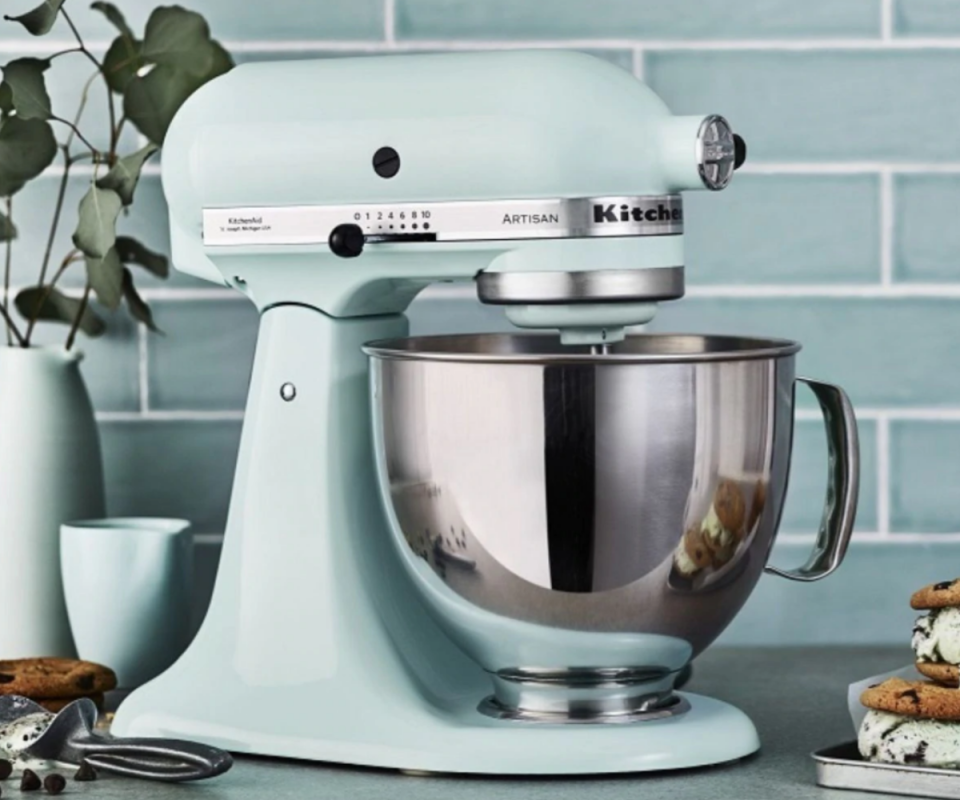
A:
(71, 257)
(106, 85)
(63, 53)
(53, 234)
(84, 96)
(75, 131)
(80, 312)
(11, 326)
(6, 267)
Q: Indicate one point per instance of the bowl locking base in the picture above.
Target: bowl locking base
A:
(583, 695)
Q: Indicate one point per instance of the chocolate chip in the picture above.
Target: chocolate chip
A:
(86, 772)
(912, 694)
(940, 587)
(30, 781)
(918, 756)
(54, 783)
(86, 682)
(6, 678)
(6, 768)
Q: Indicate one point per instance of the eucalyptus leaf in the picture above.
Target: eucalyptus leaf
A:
(121, 62)
(123, 176)
(27, 147)
(114, 15)
(151, 100)
(6, 98)
(57, 307)
(178, 38)
(97, 222)
(133, 252)
(105, 275)
(8, 231)
(222, 61)
(139, 310)
(39, 20)
(25, 78)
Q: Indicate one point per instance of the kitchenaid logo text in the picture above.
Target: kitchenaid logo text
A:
(625, 213)
(245, 221)
(530, 219)
(245, 224)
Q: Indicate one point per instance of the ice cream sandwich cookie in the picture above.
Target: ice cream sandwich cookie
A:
(41, 678)
(911, 722)
(937, 595)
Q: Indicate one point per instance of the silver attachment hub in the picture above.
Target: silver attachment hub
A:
(716, 152)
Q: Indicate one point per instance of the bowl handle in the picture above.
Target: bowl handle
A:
(843, 485)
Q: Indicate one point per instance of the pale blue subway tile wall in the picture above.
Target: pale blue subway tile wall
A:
(234, 20)
(170, 468)
(925, 476)
(204, 362)
(927, 236)
(110, 363)
(927, 17)
(643, 19)
(812, 86)
(808, 478)
(764, 229)
(898, 353)
(823, 105)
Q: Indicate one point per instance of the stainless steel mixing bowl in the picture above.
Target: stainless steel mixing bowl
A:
(594, 520)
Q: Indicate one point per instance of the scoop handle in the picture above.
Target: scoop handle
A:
(157, 759)
(843, 485)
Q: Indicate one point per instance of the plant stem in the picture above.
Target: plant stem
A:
(75, 131)
(73, 255)
(63, 53)
(53, 233)
(6, 269)
(12, 327)
(83, 104)
(76, 321)
(99, 66)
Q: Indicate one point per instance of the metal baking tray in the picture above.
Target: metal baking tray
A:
(841, 767)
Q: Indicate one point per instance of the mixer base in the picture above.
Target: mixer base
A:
(456, 741)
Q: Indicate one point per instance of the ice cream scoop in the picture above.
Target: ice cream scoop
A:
(31, 735)
(897, 739)
(936, 636)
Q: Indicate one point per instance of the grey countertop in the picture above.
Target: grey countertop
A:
(796, 697)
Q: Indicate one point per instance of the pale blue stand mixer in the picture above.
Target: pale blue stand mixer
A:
(504, 567)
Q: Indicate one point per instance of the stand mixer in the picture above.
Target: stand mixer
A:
(498, 565)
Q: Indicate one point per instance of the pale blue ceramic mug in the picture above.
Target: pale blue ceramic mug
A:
(127, 583)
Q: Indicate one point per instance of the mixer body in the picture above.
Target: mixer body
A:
(513, 528)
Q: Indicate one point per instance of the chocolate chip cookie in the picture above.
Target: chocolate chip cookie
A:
(944, 674)
(913, 699)
(937, 595)
(54, 678)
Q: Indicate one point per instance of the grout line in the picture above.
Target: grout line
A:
(638, 63)
(875, 537)
(848, 167)
(751, 291)
(192, 295)
(750, 168)
(373, 46)
(868, 290)
(169, 416)
(887, 212)
(389, 22)
(906, 414)
(413, 45)
(883, 476)
(143, 373)
(207, 539)
(886, 20)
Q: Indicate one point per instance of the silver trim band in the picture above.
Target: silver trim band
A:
(455, 221)
(607, 285)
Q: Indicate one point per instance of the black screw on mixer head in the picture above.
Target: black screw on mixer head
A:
(346, 240)
(739, 151)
